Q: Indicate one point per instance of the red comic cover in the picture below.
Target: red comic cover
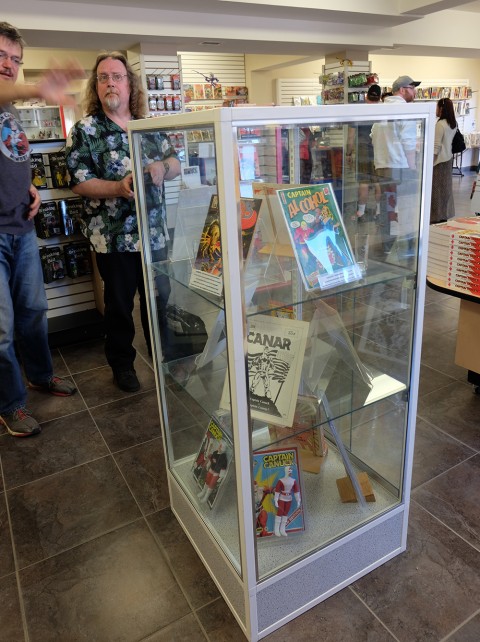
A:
(277, 493)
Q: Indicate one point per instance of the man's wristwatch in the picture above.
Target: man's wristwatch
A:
(167, 167)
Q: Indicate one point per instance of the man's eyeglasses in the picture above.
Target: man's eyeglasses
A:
(104, 78)
(14, 59)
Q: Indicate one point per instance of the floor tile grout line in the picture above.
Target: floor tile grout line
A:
(175, 576)
(444, 432)
(449, 528)
(460, 626)
(377, 617)
(23, 611)
(443, 473)
(108, 531)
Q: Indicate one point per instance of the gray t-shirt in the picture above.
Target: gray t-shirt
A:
(15, 174)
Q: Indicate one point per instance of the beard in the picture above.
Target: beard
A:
(112, 101)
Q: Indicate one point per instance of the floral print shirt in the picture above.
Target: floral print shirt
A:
(98, 148)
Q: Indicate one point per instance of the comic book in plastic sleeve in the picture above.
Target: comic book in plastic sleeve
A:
(276, 348)
(58, 169)
(212, 463)
(39, 175)
(208, 267)
(318, 236)
(47, 221)
(277, 493)
(249, 208)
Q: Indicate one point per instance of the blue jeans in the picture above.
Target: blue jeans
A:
(23, 306)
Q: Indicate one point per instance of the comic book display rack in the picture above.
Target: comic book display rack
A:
(289, 422)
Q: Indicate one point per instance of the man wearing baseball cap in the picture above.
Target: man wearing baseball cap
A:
(394, 146)
(406, 88)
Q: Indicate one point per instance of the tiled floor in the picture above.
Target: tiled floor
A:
(91, 551)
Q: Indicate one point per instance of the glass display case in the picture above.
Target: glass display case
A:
(46, 123)
(286, 327)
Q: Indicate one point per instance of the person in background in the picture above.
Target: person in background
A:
(442, 206)
(23, 302)
(395, 148)
(98, 159)
(365, 168)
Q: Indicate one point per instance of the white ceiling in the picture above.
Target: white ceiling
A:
(306, 28)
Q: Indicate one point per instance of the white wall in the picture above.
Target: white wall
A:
(263, 70)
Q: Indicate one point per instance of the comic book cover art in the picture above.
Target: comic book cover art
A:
(39, 176)
(52, 263)
(277, 493)
(207, 269)
(276, 347)
(198, 92)
(47, 220)
(212, 463)
(58, 169)
(249, 208)
(187, 93)
(318, 236)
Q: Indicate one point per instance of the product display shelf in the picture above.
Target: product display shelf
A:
(73, 308)
(357, 376)
(337, 87)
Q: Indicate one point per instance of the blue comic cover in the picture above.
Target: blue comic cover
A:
(277, 493)
(318, 236)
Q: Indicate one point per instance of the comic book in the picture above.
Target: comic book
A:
(78, 261)
(52, 263)
(47, 220)
(58, 169)
(39, 176)
(318, 236)
(198, 91)
(277, 493)
(249, 209)
(207, 269)
(276, 347)
(187, 93)
(212, 463)
(71, 211)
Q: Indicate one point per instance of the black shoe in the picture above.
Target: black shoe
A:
(127, 380)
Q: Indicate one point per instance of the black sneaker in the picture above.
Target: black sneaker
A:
(55, 386)
(20, 423)
(127, 380)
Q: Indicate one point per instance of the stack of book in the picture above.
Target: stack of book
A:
(454, 254)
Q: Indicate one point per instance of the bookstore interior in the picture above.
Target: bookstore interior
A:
(295, 315)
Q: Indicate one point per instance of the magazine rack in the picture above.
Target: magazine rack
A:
(348, 349)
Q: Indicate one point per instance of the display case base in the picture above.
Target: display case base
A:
(76, 327)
